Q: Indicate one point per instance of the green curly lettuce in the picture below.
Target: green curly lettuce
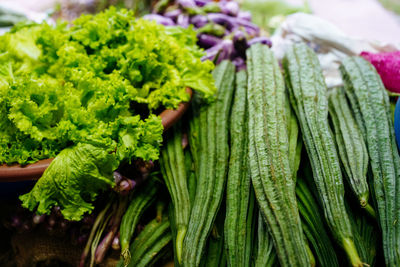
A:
(70, 92)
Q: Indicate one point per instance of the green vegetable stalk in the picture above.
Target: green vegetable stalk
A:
(351, 146)
(172, 165)
(307, 90)
(239, 209)
(271, 172)
(212, 165)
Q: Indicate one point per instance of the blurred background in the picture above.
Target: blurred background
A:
(366, 19)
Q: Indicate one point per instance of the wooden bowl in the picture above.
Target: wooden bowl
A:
(16, 173)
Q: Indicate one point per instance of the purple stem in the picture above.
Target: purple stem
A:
(105, 244)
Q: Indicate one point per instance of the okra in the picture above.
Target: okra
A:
(271, 174)
(370, 104)
(308, 91)
(212, 164)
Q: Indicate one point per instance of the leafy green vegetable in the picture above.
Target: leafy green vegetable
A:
(89, 82)
(73, 178)
(79, 92)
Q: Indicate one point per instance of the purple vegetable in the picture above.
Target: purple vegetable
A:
(238, 35)
(223, 19)
(198, 21)
(183, 20)
(107, 241)
(160, 19)
(229, 7)
(262, 40)
(251, 28)
(245, 15)
(207, 41)
(240, 43)
(186, 3)
(173, 14)
(201, 3)
(222, 51)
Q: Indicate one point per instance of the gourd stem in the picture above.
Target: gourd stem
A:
(351, 251)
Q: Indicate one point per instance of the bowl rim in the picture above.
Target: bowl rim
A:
(18, 173)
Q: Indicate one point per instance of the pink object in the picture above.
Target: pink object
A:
(388, 66)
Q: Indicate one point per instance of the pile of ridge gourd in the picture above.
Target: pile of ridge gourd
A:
(243, 190)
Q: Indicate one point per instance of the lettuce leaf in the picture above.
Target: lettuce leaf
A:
(73, 179)
(86, 94)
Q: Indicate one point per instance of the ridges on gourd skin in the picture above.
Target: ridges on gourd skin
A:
(239, 198)
(351, 146)
(370, 103)
(268, 148)
(307, 90)
(172, 164)
(212, 165)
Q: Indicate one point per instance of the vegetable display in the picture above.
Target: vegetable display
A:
(230, 183)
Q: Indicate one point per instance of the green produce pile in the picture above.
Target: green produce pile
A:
(243, 190)
(267, 168)
(88, 95)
